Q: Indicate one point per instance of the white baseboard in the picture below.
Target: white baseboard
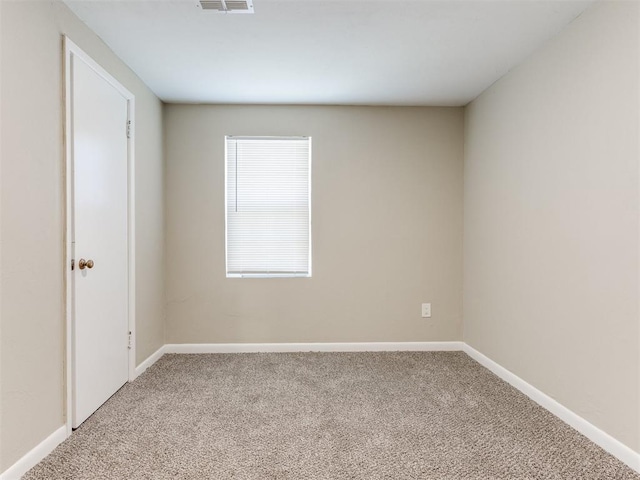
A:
(153, 358)
(313, 347)
(35, 455)
(593, 433)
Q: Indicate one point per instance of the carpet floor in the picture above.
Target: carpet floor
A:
(402, 415)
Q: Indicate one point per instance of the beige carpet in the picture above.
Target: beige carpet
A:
(324, 416)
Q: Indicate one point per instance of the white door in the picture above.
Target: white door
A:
(99, 116)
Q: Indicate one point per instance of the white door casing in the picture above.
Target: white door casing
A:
(99, 228)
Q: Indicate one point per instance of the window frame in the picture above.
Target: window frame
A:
(226, 211)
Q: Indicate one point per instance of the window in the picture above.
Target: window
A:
(268, 207)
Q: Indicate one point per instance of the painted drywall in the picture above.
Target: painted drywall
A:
(551, 220)
(386, 227)
(32, 221)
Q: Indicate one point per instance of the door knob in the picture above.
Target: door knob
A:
(82, 264)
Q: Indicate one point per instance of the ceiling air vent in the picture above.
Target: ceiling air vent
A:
(226, 6)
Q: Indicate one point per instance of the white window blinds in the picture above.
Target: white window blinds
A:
(268, 206)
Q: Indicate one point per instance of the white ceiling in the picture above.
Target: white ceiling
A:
(356, 52)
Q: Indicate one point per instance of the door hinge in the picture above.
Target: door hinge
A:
(129, 344)
(128, 128)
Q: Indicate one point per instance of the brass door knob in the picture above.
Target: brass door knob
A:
(82, 263)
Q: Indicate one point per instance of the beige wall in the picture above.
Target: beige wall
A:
(387, 227)
(32, 206)
(551, 220)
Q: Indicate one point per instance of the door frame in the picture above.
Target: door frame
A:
(71, 50)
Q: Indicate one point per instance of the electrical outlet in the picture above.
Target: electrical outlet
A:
(426, 310)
